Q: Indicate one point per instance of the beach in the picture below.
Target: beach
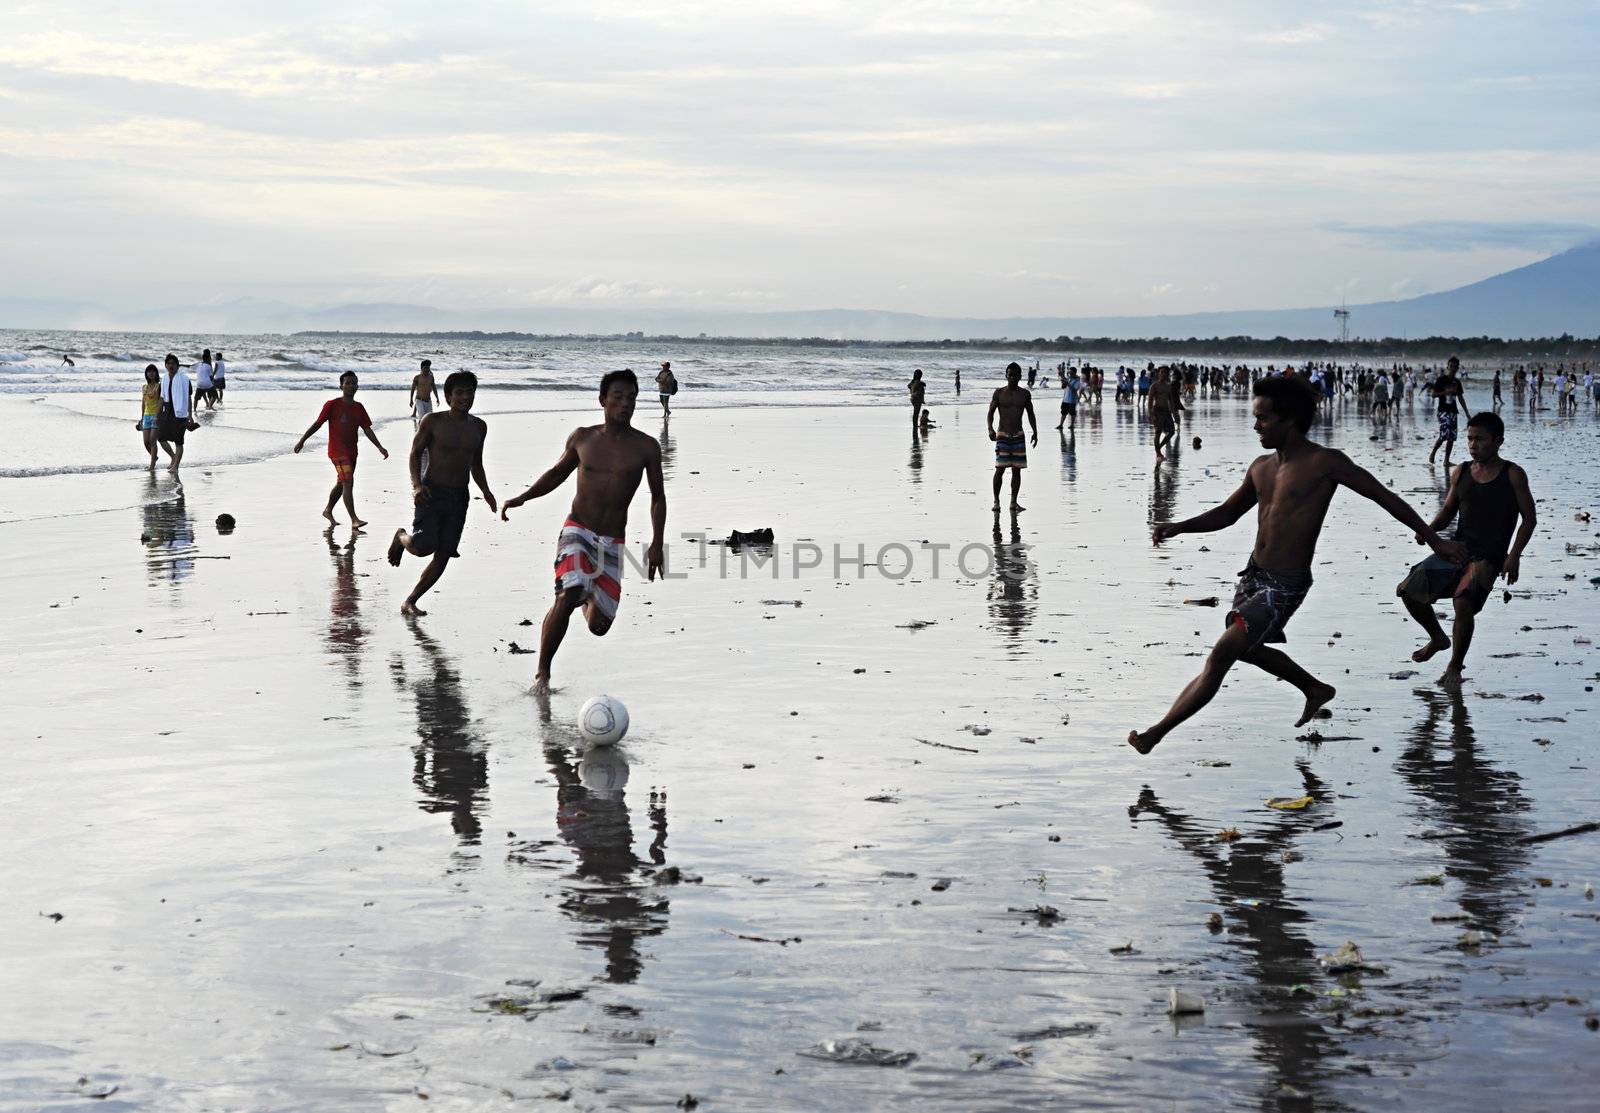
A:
(273, 847)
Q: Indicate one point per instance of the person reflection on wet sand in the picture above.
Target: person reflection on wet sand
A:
(1069, 456)
(614, 906)
(1481, 806)
(1248, 874)
(1014, 587)
(1164, 492)
(915, 463)
(168, 535)
(669, 447)
(346, 635)
(451, 769)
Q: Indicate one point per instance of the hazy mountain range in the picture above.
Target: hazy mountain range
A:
(1557, 295)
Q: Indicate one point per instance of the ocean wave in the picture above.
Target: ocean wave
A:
(13, 357)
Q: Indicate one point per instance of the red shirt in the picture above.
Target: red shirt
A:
(345, 420)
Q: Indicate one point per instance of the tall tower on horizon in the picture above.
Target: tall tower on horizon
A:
(1342, 315)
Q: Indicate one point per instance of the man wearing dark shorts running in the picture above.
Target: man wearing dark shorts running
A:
(453, 440)
(1010, 448)
(1291, 490)
(1491, 494)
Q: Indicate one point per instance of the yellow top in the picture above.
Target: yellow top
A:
(152, 399)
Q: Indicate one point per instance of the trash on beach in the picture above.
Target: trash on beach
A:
(1044, 913)
(1057, 1032)
(1213, 763)
(97, 1090)
(225, 523)
(1472, 939)
(917, 624)
(761, 938)
(1347, 960)
(674, 875)
(515, 649)
(740, 537)
(1580, 829)
(947, 746)
(1228, 834)
(976, 729)
(1208, 601)
(1214, 922)
(1290, 803)
(858, 1052)
(991, 1060)
(782, 603)
(1429, 879)
(883, 798)
(1182, 1002)
(1403, 674)
(1126, 949)
(1588, 891)
(941, 884)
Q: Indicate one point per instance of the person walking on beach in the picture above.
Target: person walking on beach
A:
(1069, 398)
(344, 417)
(1494, 402)
(958, 380)
(203, 386)
(1290, 489)
(1011, 402)
(150, 410)
(452, 440)
(1162, 397)
(219, 377)
(1491, 494)
(918, 390)
(424, 392)
(609, 460)
(177, 412)
(1448, 390)
(666, 386)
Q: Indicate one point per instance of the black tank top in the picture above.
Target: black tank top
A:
(1488, 514)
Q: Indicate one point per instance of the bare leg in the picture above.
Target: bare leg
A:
(430, 576)
(1199, 691)
(1429, 622)
(1465, 624)
(1278, 663)
(1016, 489)
(177, 458)
(333, 500)
(350, 502)
(551, 633)
(999, 473)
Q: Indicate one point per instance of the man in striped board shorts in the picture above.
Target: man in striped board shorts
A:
(610, 459)
(1010, 446)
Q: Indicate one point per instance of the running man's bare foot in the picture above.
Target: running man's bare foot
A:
(1016, 506)
(1451, 677)
(1430, 649)
(541, 685)
(1145, 742)
(1315, 698)
(410, 609)
(357, 523)
(396, 547)
(328, 514)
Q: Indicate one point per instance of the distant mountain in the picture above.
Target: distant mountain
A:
(1557, 295)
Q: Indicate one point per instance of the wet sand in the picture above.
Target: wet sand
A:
(308, 855)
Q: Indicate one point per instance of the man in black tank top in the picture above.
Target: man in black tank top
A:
(1491, 495)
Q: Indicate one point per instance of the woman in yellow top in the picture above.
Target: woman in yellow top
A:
(151, 410)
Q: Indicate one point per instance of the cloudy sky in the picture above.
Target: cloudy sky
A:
(972, 157)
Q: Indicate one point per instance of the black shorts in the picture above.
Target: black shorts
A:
(1069, 407)
(1265, 600)
(438, 520)
(172, 429)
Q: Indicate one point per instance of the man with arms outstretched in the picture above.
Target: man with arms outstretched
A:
(1010, 448)
(1492, 495)
(610, 459)
(1291, 489)
(452, 440)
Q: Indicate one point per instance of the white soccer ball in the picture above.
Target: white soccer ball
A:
(603, 721)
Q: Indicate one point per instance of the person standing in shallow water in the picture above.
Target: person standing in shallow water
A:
(424, 393)
(452, 442)
(1290, 489)
(609, 459)
(918, 390)
(1011, 402)
(1448, 391)
(150, 410)
(346, 419)
(1491, 494)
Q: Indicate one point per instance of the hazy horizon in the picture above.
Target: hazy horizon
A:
(1068, 160)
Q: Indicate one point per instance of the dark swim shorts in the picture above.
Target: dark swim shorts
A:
(1265, 600)
(1447, 425)
(1436, 578)
(439, 519)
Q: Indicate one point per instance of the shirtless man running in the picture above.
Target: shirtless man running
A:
(453, 442)
(1010, 449)
(424, 392)
(1291, 489)
(610, 459)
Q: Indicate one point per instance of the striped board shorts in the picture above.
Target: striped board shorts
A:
(592, 564)
(1011, 451)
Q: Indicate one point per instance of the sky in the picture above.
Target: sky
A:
(964, 158)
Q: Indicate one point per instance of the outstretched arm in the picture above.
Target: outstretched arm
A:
(658, 512)
(371, 436)
(1362, 482)
(1530, 518)
(550, 480)
(1234, 507)
(478, 475)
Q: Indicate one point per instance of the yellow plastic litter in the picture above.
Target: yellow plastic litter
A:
(1290, 803)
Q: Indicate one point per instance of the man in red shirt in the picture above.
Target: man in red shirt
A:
(344, 416)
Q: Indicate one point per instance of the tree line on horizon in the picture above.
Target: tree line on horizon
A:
(1565, 346)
